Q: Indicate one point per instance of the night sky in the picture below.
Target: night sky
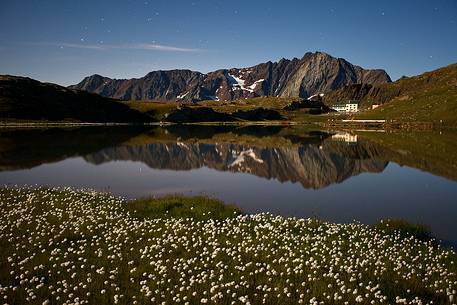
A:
(62, 41)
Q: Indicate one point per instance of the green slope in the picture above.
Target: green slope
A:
(430, 97)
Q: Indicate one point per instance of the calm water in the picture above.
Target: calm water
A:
(336, 176)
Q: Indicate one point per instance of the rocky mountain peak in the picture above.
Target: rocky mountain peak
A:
(314, 73)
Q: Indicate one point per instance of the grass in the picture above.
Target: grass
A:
(430, 97)
(175, 206)
(155, 110)
(82, 247)
(404, 229)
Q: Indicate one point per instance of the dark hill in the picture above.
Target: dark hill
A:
(22, 98)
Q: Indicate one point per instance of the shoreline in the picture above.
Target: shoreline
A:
(342, 124)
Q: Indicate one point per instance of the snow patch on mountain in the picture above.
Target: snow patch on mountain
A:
(238, 83)
(254, 85)
(181, 96)
(314, 95)
(241, 157)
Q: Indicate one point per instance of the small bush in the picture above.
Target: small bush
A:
(404, 228)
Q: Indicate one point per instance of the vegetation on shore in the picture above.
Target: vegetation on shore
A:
(82, 247)
(233, 110)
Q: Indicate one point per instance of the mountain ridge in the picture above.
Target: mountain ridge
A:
(314, 73)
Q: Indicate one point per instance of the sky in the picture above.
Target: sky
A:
(62, 41)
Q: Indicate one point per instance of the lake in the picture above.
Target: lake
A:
(292, 171)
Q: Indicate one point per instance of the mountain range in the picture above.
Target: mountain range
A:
(312, 74)
(289, 90)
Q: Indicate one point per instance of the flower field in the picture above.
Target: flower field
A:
(60, 246)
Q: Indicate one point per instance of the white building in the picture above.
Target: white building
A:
(346, 107)
(345, 137)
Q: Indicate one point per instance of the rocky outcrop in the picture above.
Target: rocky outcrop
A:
(205, 114)
(311, 106)
(257, 114)
(364, 94)
(193, 115)
(313, 73)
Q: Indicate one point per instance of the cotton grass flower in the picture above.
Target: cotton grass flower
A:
(63, 246)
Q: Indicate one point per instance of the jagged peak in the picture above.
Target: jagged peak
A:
(171, 84)
(316, 53)
(96, 76)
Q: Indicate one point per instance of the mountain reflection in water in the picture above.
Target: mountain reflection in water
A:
(312, 165)
(314, 159)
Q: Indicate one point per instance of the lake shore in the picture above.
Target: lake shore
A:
(329, 123)
(62, 245)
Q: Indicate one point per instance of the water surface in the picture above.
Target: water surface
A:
(333, 175)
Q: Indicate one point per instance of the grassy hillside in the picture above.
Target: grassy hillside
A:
(25, 99)
(429, 97)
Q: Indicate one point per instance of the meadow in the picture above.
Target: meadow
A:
(62, 246)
